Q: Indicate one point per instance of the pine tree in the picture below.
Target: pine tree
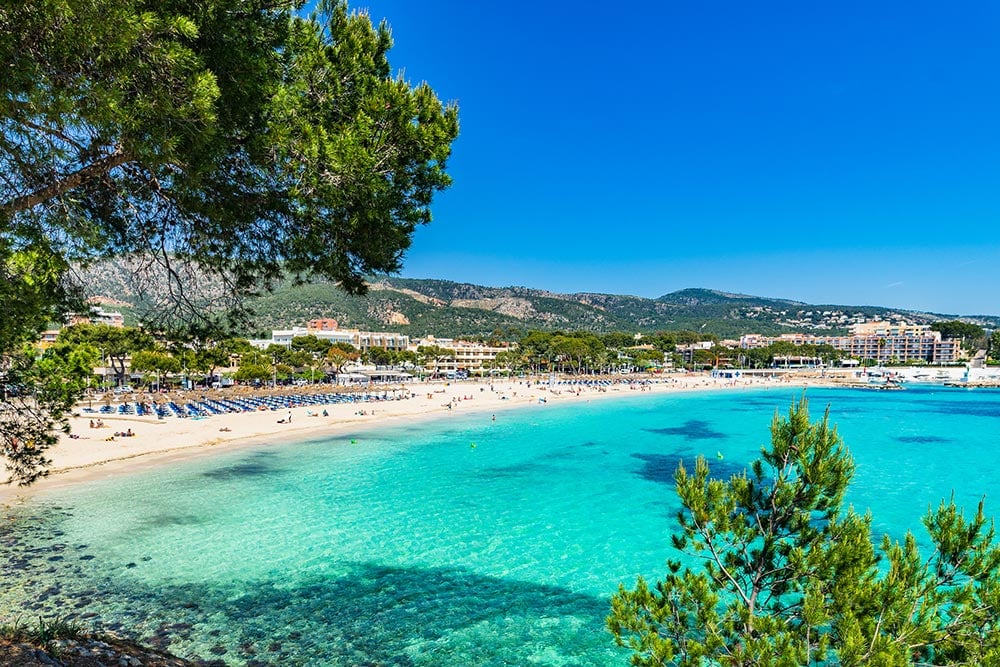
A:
(213, 148)
(785, 575)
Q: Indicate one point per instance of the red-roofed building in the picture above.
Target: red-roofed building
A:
(323, 324)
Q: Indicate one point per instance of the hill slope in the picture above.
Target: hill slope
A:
(444, 308)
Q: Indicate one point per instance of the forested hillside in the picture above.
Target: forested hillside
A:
(444, 308)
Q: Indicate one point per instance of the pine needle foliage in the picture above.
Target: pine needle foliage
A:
(214, 148)
(785, 575)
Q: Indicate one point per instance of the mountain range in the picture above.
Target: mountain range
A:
(444, 308)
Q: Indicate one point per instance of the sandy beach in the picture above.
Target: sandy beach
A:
(88, 453)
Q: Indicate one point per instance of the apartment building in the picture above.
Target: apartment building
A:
(323, 324)
(362, 340)
(463, 356)
(98, 315)
(48, 338)
(878, 341)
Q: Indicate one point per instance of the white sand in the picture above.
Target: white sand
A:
(157, 441)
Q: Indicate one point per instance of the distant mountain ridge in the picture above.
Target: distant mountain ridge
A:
(445, 308)
(694, 296)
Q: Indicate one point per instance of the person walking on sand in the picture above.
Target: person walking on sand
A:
(289, 416)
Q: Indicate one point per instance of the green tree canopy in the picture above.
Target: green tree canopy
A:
(229, 135)
(155, 361)
(568, 351)
(618, 340)
(215, 145)
(646, 358)
(37, 389)
(209, 358)
(972, 336)
(255, 365)
(663, 340)
(958, 329)
(311, 343)
(380, 356)
(780, 573)
(299, 359)
(341, 354)
(114, 343)
(575, 350)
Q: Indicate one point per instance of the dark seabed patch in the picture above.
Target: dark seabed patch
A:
(660, 468)
(693, 429)
(979, 408)
(548, 463)
(769, 403)
(573, 453)
(258, 465)
(921, 439)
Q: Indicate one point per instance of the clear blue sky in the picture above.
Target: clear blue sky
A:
(842, 152)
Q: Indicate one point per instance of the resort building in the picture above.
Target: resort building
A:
(796, 361)
(365, 340)
(98, 315)
(688, 351)
(462, 356)
(362, 340)
(323, 324)
(878, 341)
(48, 339)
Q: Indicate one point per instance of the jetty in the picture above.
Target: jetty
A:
(975, 384)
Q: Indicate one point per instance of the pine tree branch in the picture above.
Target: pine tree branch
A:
(96, 168)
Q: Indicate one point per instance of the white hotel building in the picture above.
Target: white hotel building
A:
(879, 341)
(362, 340)
(463, 356)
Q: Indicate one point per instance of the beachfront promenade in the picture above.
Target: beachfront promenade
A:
(162, 434)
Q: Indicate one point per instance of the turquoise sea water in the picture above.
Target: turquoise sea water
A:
(411, 546)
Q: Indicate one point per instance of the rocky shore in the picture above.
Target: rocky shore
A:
(91, 652)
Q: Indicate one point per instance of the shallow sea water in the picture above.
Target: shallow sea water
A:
(458, 542)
